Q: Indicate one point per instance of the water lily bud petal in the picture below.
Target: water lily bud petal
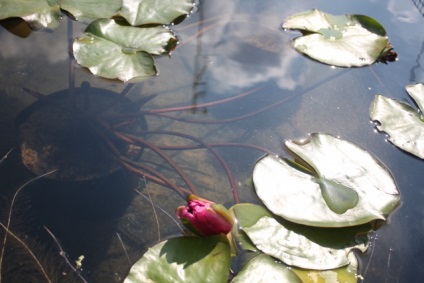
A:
(205, 218)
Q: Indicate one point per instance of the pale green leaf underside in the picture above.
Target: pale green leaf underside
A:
(403, 123)
(346, 274)
(143, 12)
(113, 51)
(37, 13)
(344, 41)
(299, 197)
(299, 249)
(184, 260)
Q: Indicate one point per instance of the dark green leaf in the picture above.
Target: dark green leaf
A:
(184, 260)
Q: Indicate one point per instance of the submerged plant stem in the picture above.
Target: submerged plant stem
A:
(192, 107)
(9, 218)
(43, 271)
(139, 141)
(63, 254)
(211, 150)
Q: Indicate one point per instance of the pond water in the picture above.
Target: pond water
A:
(227, 48)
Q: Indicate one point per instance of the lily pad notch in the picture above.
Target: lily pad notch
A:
(330, 183)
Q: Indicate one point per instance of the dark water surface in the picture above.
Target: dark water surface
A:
(240, 47)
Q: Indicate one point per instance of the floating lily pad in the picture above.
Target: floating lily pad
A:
(143, 12)
(402, 122)
(303, 247)
(264, 269)
(331, 183)
(91, 9)
(184, 260)
(37, 13)
(299, 245)
(342, 40)
(247, 215)
(112, 50)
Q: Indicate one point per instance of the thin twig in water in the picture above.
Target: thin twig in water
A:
(28, 250)
(371, 255)
(6, 155)
(63, 254)
(9, 218)
(123, 247)
(153, 207)
(388, 265)
(160, 208)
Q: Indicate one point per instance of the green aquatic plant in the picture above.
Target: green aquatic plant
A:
(112, 50)
(330, 183)
(343, 41)
(119, 48)
(402, 122)
(317, 209)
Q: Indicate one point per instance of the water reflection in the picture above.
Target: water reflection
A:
(242, 47)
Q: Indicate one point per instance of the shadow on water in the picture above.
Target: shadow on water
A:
(87, 216)
(82, 215)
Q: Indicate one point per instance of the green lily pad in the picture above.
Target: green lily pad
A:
(345, 186)
(306, 248)
(299, 245)
(264, 269)
(185, 260)
(91, 9)
(114, 51)
(342, 40)
(402, 122)
(247, 215)
(37, 13)
(141, 12)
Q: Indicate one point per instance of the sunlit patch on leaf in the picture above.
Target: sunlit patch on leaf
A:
(299, 245)
(402, 122)
(263, 268)
(344, 41)
(37, 13)
(114, 51)
(141, 12)
(91, 9)
(184, 259)
(349, 185)
(345, 274)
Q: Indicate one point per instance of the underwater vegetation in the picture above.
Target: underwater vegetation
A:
(105, 176)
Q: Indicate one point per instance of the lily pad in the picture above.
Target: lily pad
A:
(299, 245)
(37, 13)
(264, 269)
(246, 215)
(184, 260)
(111, 50)
(141, 12)
(303, 247)
(402, 122)
(345, 186)
(91, 9)
(339, 40)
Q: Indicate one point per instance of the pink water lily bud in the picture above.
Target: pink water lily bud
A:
(205, 218)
